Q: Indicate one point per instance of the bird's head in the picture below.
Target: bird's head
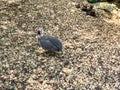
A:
(39, 30)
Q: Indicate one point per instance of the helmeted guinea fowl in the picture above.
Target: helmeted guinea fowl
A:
(48, 42)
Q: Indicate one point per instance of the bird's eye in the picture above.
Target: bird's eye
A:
(39, 32)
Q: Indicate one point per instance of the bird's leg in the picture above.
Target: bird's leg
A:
(50, 53)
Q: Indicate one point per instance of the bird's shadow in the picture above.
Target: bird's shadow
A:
(50, 54)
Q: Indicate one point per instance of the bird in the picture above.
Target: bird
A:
(48, 42)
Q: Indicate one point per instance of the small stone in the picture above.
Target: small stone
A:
(66, 70)
(70, 88)
(84, 8)
(77, 5)
(98, 88)
(91, 13)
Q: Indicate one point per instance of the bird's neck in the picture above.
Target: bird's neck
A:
(40, 35)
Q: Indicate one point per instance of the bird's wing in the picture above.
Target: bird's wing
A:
(56, 42)
(46, 44)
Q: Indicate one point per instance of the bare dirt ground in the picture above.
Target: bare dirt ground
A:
(91, 48)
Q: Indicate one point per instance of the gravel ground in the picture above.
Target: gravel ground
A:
(91, 47)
